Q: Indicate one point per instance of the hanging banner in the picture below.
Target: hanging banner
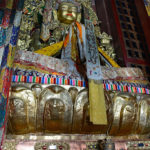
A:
(9, 42)
(92, 57)
(9, 4)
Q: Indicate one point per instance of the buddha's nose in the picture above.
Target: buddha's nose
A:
(70, 10)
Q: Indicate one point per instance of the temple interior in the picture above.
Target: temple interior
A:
(74, 74)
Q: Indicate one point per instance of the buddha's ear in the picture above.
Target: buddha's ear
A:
(55, 14)
(79, 17)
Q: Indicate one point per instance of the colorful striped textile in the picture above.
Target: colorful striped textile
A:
(47, 80)
(122, 88)
(61, 81)
(9, 29)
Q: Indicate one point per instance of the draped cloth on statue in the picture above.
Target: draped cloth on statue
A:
(75, 58)
(70, 52)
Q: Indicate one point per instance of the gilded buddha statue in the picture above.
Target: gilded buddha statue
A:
(44, 25)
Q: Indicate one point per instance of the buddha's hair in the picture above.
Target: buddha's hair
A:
(72, 1)
(77, 4)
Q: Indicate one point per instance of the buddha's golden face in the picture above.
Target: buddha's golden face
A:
(67, 13)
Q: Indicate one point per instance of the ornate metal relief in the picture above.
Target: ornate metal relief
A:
(65, 109)
(125, 111)
(22, 110)
(55, 110)
(143, 117)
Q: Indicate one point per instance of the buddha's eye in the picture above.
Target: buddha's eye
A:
(64, 8)
(74, 9)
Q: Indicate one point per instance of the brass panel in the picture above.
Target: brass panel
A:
(55, 110)
(143, 115)
(81, 122)
(35, 108)
(22, 110)
(124, 114)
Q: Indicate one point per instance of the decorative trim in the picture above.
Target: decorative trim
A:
(125, 88)
(122, 87)
(47, 80)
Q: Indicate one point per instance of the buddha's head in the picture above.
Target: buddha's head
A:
(68, 12)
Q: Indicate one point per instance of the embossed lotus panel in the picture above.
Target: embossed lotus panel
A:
(35, 108)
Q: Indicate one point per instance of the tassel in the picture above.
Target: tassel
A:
(80, 31)
(74, 50)
(66, 41)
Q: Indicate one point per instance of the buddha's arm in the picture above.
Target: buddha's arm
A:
(110, 60)
(53, 49)
(50, 50)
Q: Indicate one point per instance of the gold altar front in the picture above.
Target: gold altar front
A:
(53, 109)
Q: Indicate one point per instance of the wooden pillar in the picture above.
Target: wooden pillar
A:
(144, 19)
(110, 24)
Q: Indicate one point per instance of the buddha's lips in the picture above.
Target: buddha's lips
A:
(69, 14)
